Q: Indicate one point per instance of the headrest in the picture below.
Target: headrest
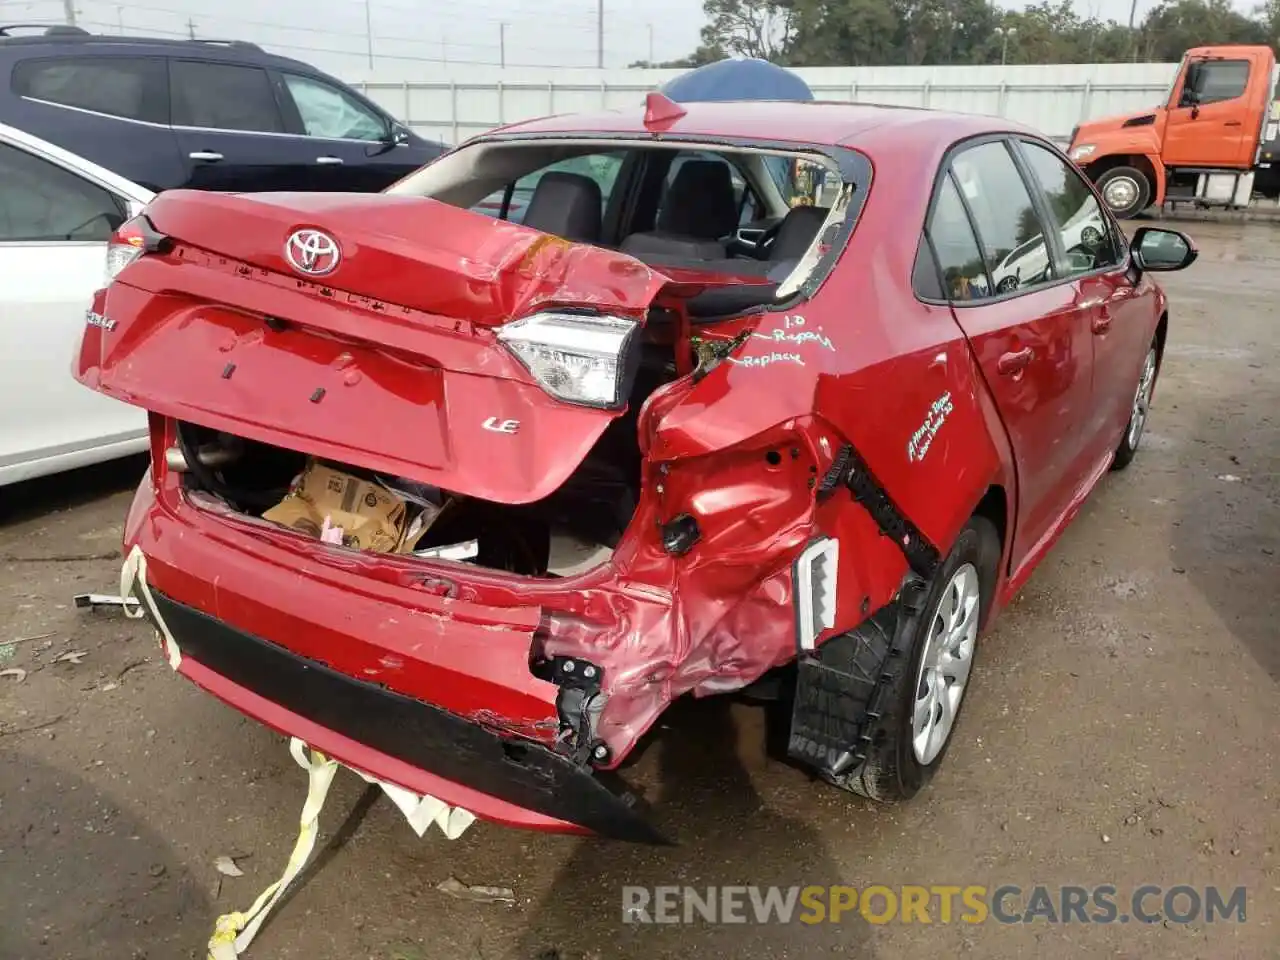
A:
(566, 205)
(700, 202)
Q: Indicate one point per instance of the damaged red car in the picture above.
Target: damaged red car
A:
(753, 390)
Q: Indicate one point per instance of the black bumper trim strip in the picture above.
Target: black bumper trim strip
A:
(518, 771)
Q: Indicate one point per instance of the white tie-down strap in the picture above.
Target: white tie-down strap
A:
(233, 932)
(133, 583)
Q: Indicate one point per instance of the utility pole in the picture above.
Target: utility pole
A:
(502, 44)
(120, 17)
(599, 34)
(368, 31)
(1004, 33)
(191, 28)
(1133, 42)
(69, 12)
(651, 44)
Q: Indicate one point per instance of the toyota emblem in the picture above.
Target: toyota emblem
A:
(312, 252)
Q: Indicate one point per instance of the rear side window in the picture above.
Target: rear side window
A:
(331, 113)
(40, 201)
(1010, 233)
(223, 96)
(133, 88)
(964, 277)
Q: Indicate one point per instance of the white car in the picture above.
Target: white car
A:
(57, 212)
(1082, 235)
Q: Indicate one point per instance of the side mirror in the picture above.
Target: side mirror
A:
(396, 136)
(1154, 248)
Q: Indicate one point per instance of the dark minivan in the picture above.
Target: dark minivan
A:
(202, 114)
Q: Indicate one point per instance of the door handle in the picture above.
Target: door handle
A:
(1014, 362)
(328, 161)
(207, 155)
(1231, 123)
(1101, 320)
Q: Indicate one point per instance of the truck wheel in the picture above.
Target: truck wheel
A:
(1125, 190)
(1128, 448)
(929, 678)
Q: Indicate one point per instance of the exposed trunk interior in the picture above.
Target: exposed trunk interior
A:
(566, 533)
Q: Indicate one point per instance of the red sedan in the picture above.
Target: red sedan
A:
(466, 503)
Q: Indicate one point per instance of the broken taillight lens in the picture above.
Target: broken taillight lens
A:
(131, 241)
(579, 358)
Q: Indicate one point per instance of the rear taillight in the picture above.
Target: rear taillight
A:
(131, 241)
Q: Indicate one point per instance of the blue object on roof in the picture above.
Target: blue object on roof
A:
(733, 79)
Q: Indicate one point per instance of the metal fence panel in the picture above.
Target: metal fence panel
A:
(1052, 98)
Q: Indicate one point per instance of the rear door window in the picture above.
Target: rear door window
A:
(130, 87)
(223, 96)
(43, 202)
(331, 113)
(1010, 233)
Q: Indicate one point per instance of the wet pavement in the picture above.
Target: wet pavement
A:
(1121, 730)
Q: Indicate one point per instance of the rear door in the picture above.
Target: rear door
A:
(112, 110)
(1094, 257)
(1207, 124)
(54, 225)
(231, 131)
(1025, 324)
(347, 141)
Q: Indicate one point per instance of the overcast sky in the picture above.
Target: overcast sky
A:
(411, 37)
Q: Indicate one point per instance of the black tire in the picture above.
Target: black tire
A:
(892, 771)
(1132, 440)
(1141, 200)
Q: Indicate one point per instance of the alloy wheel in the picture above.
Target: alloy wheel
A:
(945, 664)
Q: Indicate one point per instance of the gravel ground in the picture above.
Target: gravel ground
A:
(1121, 729)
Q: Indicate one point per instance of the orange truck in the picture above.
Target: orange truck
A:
(1207, 144)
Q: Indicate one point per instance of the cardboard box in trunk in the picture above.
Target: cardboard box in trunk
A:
(367, 515)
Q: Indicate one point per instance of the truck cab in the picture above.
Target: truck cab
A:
(1201, 145)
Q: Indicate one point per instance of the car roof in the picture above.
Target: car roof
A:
(816, 122)
(62, 44)
(72, 161)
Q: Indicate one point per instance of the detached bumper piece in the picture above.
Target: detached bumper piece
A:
(841, 689)
(518, 771)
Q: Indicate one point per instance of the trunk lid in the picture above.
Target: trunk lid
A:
(389, 361)
(412, 252)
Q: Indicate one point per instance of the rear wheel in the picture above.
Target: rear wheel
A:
(1133, 430)
(928, 683)
(1125, 190)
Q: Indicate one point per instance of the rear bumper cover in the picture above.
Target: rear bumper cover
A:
(464, 763)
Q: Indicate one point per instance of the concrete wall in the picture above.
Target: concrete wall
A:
(463, 101)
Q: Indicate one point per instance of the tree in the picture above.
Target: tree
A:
(753, 28)
(1171, 28)
(871, 32)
